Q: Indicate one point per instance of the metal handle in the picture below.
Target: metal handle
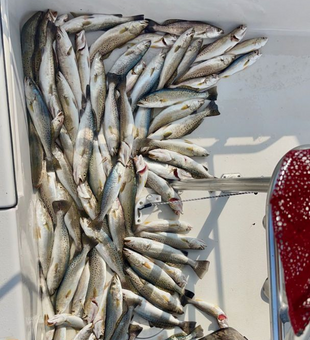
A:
(259, 184)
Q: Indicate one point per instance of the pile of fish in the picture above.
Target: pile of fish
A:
(97, 138)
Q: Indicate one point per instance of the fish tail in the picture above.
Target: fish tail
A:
(134, 331)
(212, 109)
(52, 165)
(61, 205)
(151, 25)
(188, 326)
(115, 78)
(185, 300)
(188, 293)
(212, 93)
(201, 267)
(198, 332)
(137, 17)
(87, 242)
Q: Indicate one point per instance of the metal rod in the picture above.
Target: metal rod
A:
(256, 184)
(275, 284)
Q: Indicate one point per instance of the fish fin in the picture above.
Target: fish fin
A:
(151, 25)
(61, 205)
(201, 267)
(137, 17)
(188, 326)
(87, 92)
(171, 21)
(106, 56)
(184, 252)
(177, 48)
(212, 93)
(52, 165)
(87, 242)
(188, 293)
(198, 332)
(184, 300)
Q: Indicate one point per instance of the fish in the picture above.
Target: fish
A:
(40, 41)
(175, 112)
(207, 308)
(40, 116)
(61, 19)
(88, 199)
(174, 57)
(68, 64)
(48, 190)
(155, 316)
(157, 40)
(47, 307)
(207, 68)
(148, 79)
(167, 193)
(69, 105)
(64, 174)
(56, 126)
(85, 333)
(174, 240)
(99, 321)
(44, 234)
(182, 146)
(199, 84)
(97, 267)
(69, 284)
(127, 61)
(169, 226)
(154, 295)
(133, 75)
(122, 326)
(114, 306)
(84, 145)
(149, 271)
(46, 71)
(240, 64)
(36, 155)
(167, 97)
(167, 171)
(184, 126)
(127, 196)
(225, 334)
(80, 293)
(248, 46)
(189, 57)
(61, 248)
(97, 22)
(111, 189)
(67, 144)
(105, 247)
(106, 157)
(175, 273)
(111, 123)
(72, 220)
(97, 175)
(116, 223)
(179, 26)
(142, 173)
(222, 45)
(165, 253)
(66, 319)
(83, 61)
(28, 34)
(60, 333)
(197, 170)
(116, 37)
(98, 89)
(195, 334)
(126, 117)
(142, 122)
